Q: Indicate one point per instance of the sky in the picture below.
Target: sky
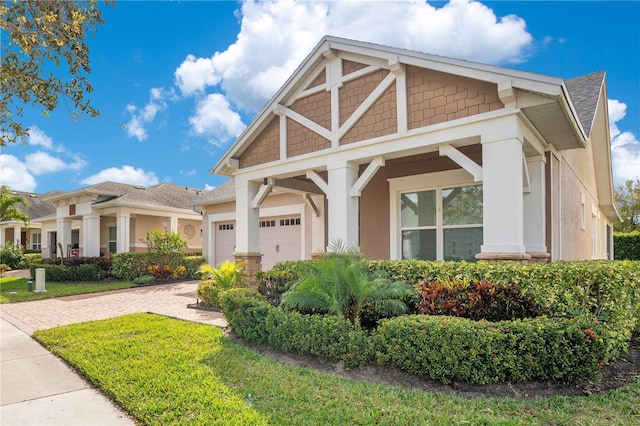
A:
(177, 81)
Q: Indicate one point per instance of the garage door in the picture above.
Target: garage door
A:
(225, 240)
(280, 239)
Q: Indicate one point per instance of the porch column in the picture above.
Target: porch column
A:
(343, 208)
(17, 233)
(502, 188)
(2, 236)
(123, 232)
(91, 235)
(172, 224)
(318, 243)
(534, 210)
(247, 229)
(63, 229)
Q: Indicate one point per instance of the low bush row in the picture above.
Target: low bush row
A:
(606, 290)
(131, 265)
(626, 246)
(444, 348)
(82, 272)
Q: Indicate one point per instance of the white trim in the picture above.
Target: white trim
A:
(366, 176)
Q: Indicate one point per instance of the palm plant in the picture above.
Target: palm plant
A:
(341, 285)
(216, 280)
(9, 209)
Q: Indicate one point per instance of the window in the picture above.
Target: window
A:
(441, 223)
(36, 241)
(267, 224)
(225, 227)
(290, 222)
(113, 244)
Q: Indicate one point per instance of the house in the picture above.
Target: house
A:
(410, 155)
(111, 217)
(28, 236)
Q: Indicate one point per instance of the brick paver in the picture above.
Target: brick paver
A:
(167, 299)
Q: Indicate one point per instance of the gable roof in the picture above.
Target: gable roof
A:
(558, 121)
(38, 207)
(585, 93)
(221, 193)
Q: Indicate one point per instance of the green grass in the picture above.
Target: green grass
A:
(14, 289)
(170, 372)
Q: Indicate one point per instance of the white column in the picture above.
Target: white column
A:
(17, 231)
(502, 197)
(172, 224)
(534, 207)
(91, 235)
(343, 208)
(207, 251)
(318, 243)
(64, 235)
(123, 232)
(247, 218)
(2, 236)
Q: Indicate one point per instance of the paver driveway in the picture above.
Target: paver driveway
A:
(166, 299)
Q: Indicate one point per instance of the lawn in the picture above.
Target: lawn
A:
(166, 371)
(14, 289)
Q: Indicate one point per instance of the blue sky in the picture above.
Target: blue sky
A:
(178, 81)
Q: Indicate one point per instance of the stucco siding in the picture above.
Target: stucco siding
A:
(434, 97)
(265, 148)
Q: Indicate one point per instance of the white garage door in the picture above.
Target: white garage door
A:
(280, 239)
(225, 241)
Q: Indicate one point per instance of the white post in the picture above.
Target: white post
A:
(17, 232)
(318, 243)
(502, 197)
(247, 218)
(64, 236)
(40, 280)
(91, 235)
(172, 224)
(343, 208)
(2, 236)
(534, 207)
(123, 232)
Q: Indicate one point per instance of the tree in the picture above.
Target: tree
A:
(38, 36)
(628, 203)
(9, 209)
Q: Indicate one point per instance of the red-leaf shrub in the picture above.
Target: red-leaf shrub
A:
(476, 300)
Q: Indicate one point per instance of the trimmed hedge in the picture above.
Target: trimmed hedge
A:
(479, 352)
(130, 265)
(246, 311)
(81, 272)
(626, 246)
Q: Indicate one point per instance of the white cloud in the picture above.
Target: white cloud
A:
(276, 36)
(124, 174)
(215, 120)
(195, 74)
(141, 117)
(37, 137)
(625, 146)
(208, 187)
(14, 174)
(188, 172)
(41, 162)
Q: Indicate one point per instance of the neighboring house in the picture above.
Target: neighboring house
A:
(28, 236)
(410, 155)
(112, 217)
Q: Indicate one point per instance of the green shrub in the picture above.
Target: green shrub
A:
(246, 311)
(129, 265)
(626, 246)
(192, 264)
(87, 272)
(476, 300)
(479, 352)
(144, 280)
(273, 284)
(12, 256)
(329, 336)
(208, 293)
(165, 241)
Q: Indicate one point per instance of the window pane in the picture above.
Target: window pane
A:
(462, 243)
(112, 233)
(419, 244)
(418, 209)
(462, 205)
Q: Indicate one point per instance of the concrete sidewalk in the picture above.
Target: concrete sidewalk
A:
(39, 389)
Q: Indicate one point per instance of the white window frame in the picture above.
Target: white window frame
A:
(595, 226)
(36, 241)
(583, 214)
(423, 182)
(110, 241)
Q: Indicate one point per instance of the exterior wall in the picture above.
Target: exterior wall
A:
(434, 97)
(580, 197)
(191, 232)
(301, 140)
(380, 120)
(374, 202)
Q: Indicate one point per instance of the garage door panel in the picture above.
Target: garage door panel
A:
(225, 241)
(280, 239)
